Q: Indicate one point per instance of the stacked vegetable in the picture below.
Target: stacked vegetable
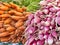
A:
(12, 19)
(42, 26)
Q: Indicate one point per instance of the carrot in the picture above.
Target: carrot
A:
(18, 24)
(18, 14)
(6, 4)
(6, 25)
(4, 39)
(14, 40)
(10, 28)
(4, 15)
(27, 13)
(7, 21)
(12, 23)
(22, 28)
(20, 10)
(1, 24)
(13, 5)
(1, 12)
(11, 33)
(15, 17)
(4, 34)
(15, 12)
(4, 8)
(2, 30)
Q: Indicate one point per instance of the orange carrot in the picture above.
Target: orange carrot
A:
(7, 21)
(13, 32)
(18, 14)
(4, 39)
(15, 12)
(6, 4)
(2, 30)
(15, 17)
(20, 10)
(4, 34)
(18, 24)
(4, 8)
(4, 15)
(10, 28)
(1, 24)
(13, 5)
(1, 12)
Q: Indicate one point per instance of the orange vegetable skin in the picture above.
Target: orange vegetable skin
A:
(4, 34)
(10, 28)
(1, 24)
(15, 12)
(7, 21)
(6, 4)
(1, 12)
(13, 5)
(4, 8)
(4, 15)
(15, 17)
(2, 30)
(20, 10)
(4, 39)
(18, 24)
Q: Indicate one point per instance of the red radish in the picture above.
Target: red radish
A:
(31, 30)
(50, 39)
(47, 23)
(43, 3)
(33, 42)
(36, 19)
(46, 29)
(40, 36)
(58, 13)
(52, 9)
(46, 11)
(54, 34)
(30, 17)
(40, 42)
(58, 20)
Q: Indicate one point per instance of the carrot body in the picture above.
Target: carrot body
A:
(4, 8)
(7, 21)
(4, 39)
(13, 5)
(18, 24)
(15, 17)
(4, 34)
(4, 15)
(20, 10)
(2, 30)
(1, 12)
(15, 12)
(10, 28)
(6, 4)
(1, 24)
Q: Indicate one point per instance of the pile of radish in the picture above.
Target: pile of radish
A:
(42, 26)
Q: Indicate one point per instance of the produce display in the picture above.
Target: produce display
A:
(32, 22)
(12, 19)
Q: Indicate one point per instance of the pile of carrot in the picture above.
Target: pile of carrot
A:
(12, 19)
